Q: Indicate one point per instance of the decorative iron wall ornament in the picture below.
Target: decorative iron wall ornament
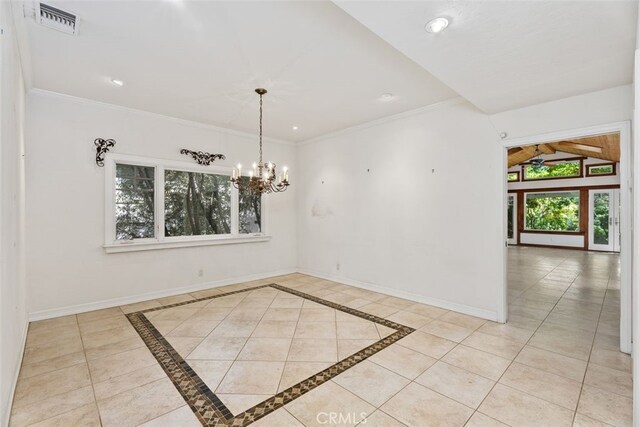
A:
(201, 157)
(102, 148)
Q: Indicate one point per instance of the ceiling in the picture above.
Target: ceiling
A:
(604, 147)
(502, 55)
(326, 69)
(202, 60)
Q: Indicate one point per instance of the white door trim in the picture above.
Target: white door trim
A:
(624, 128)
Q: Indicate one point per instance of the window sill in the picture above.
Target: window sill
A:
(170, 244)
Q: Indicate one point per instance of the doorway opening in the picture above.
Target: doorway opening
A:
(567, 236)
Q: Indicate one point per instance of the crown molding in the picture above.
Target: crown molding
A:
(184, 122)
(387, 119)
(191, 123)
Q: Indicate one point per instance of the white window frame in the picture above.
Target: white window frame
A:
(160, 241)
(536, 230)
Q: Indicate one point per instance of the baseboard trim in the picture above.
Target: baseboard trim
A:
(115, 302)
(447, 305)
(7, 408)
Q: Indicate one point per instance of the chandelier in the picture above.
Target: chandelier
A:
(262, 178)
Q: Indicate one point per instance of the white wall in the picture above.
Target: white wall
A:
(13, 315)
(636, 237)
(435, 236)
(595, 108)
(66, 263)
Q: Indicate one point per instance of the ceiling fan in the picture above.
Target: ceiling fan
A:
(537, 163)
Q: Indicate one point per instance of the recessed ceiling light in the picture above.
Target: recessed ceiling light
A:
(436, 25)
(117, 82)
(295, 128)
(386, 97)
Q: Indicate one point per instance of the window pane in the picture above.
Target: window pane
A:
(250, 209)
(512, 176)
(601, 218)
(196, 204)
(134, 202)
(601, 170)
(557, 170)
(510, 225)
(553, 211)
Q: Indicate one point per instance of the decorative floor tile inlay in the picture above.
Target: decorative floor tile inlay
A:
(268, 344)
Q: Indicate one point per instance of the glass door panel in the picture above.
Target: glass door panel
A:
(512, 223)
(603, 220)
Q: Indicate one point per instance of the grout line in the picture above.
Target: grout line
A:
(93, 390)
(243, 346)
(525, 344)
(287, 411)
(290, 344)
(165, 413)
(589, 358)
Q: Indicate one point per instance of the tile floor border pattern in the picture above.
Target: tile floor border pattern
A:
(206, 405)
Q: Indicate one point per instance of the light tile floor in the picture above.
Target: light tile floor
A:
(556, 363)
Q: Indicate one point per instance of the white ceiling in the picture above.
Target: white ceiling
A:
(201, 61)
(502, 55)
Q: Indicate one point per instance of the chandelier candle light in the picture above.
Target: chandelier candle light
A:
(262, 177)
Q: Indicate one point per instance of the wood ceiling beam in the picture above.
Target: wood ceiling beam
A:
(579, 147)
(546, 149)
(604, 147)
(522, 155)
(584, 150)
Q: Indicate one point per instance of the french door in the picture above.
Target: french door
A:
(604, 220)
(512, 215)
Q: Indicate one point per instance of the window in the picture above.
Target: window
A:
(513, 176)
(250, 206)
(135, 201)
(552, 211)
(156, 204)
(196, 204)
(510, 216)
(601, 169)
(553, 169)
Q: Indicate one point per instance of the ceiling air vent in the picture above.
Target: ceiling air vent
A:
(58, 19)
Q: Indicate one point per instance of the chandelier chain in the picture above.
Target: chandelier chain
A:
(260, 130)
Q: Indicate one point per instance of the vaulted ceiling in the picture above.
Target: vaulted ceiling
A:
(604, 147)
(326, 66)
(202, 60)
(502, 55)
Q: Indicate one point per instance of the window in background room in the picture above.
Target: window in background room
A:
(513, 176)
(134, 202)
(601, 169)
(250, 210)
(552, 211)
(196, 203)
(560, 169)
